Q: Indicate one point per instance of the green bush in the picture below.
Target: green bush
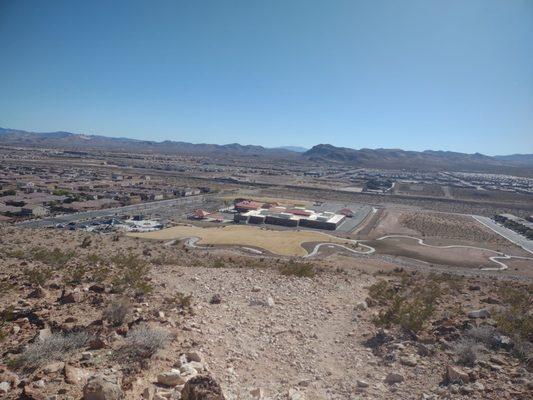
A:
(55, 258)
(516, 319)
(132, 274)
(407, 307)
(38, 276)
(301, 270)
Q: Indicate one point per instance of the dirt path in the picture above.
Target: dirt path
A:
(307, 338)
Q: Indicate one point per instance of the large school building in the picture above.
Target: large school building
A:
(256, 213)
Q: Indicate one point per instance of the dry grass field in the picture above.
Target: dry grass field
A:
(285, 243)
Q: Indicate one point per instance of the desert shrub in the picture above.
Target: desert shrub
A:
(142, 342)
(51, 348)
(180, 301)
(165, 259)
(219, 263)
(75, 274)
(382, 292)
(117, 311)
(522, 349)
(17, 253)
(38, 276)
(453, 282)
(6, 316)
(55, 258)
(133, 274)
(5, 288)
(301, 270)
(516, 319)
(86, 242)
(100, 274)
(406, 306)
(94, 259)
(485, 334)
(467, 351)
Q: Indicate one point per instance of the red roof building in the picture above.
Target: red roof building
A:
(200, 214)
(247, 205)
(346, 212)
(300, 212)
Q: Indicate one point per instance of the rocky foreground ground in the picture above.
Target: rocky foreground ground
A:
(103, 317)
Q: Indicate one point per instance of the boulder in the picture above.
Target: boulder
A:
(171, 378)
(54, 367)
(30, 393)
(362, 384)
(97, 288)
(202, 388)
(481, 313)
(257, 394)
(188, 369)
(44, 334)
(5, 387)
(393, 378)
(38, 293)
(102, 388)
(148, 393)
(75, 376)
(454, 374)
(194, 356)
(410, 361)
(71, 296)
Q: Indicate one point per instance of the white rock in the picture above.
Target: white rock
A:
(171, 378)
(187, 369)
(39, 384)
(296, 395)
(198, 366)
(4, 387)
(410, 361)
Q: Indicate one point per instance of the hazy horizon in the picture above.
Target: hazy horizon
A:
(415, 75)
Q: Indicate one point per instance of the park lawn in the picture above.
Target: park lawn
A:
(285, 243)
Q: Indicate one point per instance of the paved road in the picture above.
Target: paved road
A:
(111, 212)
(508, 234)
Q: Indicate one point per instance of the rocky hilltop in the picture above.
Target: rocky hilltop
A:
(84, 317)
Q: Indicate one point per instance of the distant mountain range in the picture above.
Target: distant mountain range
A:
(397, 158)
(321, 154)
(80, 142)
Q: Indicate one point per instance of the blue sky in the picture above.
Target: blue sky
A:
(449, 75)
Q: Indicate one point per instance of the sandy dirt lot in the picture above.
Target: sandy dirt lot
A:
(285, 243)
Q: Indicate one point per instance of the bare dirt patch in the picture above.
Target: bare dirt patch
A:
(417, 189)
